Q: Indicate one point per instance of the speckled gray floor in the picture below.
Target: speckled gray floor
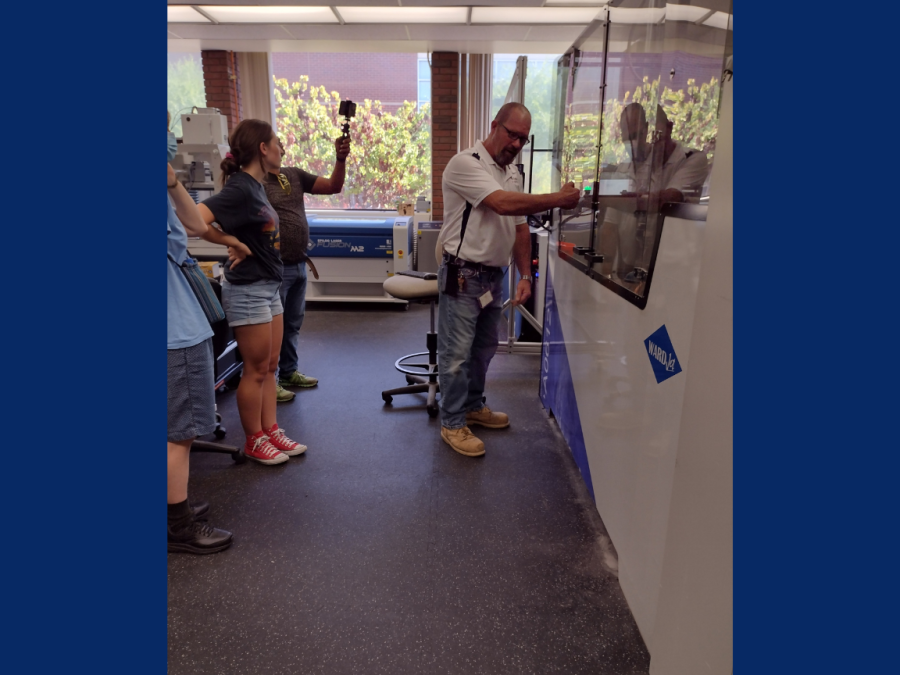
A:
(383, 551)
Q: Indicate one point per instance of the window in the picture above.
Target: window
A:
(539, 80)
(424, 81)
(184, 86)
(391, 157)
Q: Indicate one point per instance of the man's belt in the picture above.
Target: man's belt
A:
(480, 267)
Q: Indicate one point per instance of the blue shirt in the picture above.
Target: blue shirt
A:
(187, 324)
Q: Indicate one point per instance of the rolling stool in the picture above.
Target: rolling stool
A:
(421, 377)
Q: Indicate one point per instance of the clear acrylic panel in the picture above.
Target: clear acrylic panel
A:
(655, 140)
(539, 97)
(540, 168)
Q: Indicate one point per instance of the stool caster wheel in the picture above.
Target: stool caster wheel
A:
(387, 398)
(219, 433)
(239, 457)
(432, 411)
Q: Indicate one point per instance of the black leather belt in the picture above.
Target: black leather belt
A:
(480, 267)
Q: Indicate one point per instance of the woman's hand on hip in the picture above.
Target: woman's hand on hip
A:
(237, 253)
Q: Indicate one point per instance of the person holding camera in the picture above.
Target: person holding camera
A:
(285, 187)
(251, 291)
(484, 221)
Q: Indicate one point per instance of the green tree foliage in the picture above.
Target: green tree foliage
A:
(502, 73)
(693, 113)
(538, 99)
(390, 159)
(185, 88)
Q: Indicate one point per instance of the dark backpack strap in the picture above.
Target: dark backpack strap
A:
(465, 218)
(465, 221)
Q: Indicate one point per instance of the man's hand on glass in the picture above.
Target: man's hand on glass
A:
(569, 196)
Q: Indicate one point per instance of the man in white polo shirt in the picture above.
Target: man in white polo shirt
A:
(484, 221)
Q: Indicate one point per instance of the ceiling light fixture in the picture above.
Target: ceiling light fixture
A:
(535, 15)
(400, 15)
(270, 14)
(184, 14)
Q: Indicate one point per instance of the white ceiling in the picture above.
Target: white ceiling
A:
(479, 26)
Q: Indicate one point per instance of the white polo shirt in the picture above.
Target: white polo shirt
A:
(468, 179)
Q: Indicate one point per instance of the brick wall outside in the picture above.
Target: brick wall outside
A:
(222, 82)
(389, 78)
(445, 120)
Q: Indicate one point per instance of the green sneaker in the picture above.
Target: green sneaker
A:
(298, 379)
(282, 395)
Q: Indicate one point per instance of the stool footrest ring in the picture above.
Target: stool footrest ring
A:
(421, 369)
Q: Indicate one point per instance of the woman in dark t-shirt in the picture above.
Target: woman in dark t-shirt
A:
(250, 293)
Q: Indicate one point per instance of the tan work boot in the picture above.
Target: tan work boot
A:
(463, 441)
(487, 418)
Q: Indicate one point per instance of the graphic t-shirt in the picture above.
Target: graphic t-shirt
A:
(243, 211)
(291, 212)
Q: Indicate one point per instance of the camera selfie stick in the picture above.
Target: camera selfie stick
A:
(348, 110)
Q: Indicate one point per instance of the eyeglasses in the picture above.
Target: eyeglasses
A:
(284, 183)
(515, 137)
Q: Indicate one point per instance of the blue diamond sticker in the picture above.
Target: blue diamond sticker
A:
(662, 355)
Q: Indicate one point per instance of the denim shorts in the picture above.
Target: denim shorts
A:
(191, 392)
(248, 304)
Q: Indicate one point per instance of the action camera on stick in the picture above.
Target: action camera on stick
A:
(348, 110)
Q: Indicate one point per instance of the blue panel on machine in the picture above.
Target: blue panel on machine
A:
(351, 237)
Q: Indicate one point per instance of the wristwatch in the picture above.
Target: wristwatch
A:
(525, 277)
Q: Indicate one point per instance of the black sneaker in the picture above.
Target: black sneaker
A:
(200, 538)
(200, 509)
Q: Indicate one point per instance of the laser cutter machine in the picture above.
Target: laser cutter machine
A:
(354, 252)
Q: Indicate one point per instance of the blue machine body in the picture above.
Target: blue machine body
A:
(343, 237)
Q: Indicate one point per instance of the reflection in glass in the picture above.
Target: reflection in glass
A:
(655, 141)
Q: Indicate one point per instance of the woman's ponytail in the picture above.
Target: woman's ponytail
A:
(230, 165)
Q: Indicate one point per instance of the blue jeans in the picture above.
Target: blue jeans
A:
(467, 341)
(293, 297)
